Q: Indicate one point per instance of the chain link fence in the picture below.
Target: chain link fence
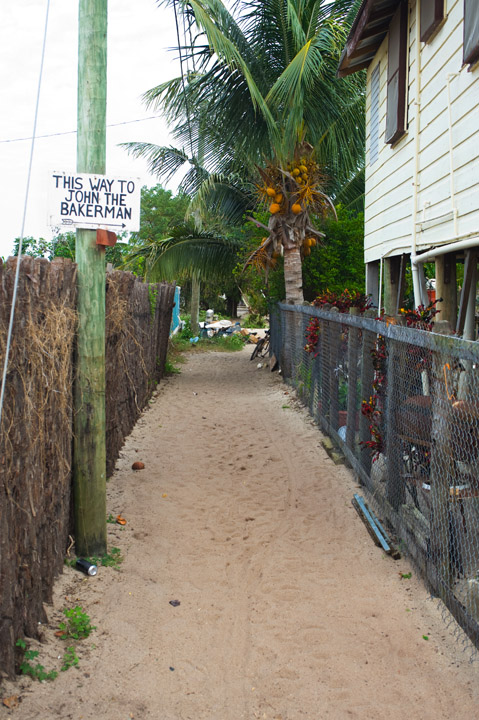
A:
(402, 405)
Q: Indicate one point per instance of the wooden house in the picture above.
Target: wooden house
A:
(422, 153)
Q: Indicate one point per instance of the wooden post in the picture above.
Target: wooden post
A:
(446, 288)
(89, 463)
(442, 471)
(467, 305)
(334, 345)
(394, 274)
(367, 379)
(396, 372)
(324, 366)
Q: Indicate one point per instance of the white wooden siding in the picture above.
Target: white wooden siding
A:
(389, 180)
(374, 117)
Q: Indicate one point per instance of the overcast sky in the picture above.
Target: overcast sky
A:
(139, 35)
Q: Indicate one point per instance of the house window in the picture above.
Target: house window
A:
(432, 15)
(471, 31)
(374, 119)
(397, 75)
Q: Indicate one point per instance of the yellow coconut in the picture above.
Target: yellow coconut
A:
(306, 251)
(278, 198)
(296, 172)
(271, 192)
(304, 176)
(303, 169)
(296, 208)
(274, 208)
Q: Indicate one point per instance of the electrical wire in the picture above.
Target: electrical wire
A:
(20, 244)
(74, 132)
(187, 106)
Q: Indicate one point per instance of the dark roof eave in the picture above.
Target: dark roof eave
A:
(371, 23)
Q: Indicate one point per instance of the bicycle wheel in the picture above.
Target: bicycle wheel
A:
(265, 348)
(257, 348)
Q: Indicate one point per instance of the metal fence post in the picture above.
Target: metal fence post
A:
(335, 339)
(367, 379)
(325, 367)
(395, 487)
(442, 472)
(352, 382)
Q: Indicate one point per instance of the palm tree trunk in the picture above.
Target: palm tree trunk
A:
(195, 304)
(293, 275)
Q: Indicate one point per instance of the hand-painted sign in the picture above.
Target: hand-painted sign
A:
(93, 201)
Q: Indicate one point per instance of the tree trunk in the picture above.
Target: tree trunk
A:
(231, 306)
(293, 275)
(195, 304)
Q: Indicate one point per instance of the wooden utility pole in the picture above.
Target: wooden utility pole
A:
(89, 469)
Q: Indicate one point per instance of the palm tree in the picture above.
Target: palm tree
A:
(187, 250)
(266, 75)
(190, 252)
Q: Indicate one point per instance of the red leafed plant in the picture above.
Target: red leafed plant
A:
(372, 408)
(312, 336)
(422, 317)
(343, 301)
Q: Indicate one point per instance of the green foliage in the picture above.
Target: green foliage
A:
(265, 81)
(343, 394)
(185, 252)
(160, 211)
(78, 624)
(37, 671)
(259, 289)
(340, 262)
(112, 559)
(33, 247)
(70, 658)
(152, 295)
(217, 343)
(264, 89)
(254, 320)
(63, 245)
(170, 368)
(185, 332)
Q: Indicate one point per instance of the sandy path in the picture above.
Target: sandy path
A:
(287, 611)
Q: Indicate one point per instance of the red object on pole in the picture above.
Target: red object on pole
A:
(105, 237)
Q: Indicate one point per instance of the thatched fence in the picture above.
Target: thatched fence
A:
(36, 432)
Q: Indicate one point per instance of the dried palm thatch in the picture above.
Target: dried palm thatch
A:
(35, 442)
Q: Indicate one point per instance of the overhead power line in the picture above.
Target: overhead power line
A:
(73, 132)
(22, 234)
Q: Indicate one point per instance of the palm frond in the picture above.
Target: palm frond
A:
(189, 252)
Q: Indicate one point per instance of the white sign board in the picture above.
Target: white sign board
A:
(80, 200)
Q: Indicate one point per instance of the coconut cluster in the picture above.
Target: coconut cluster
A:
(290, 193)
